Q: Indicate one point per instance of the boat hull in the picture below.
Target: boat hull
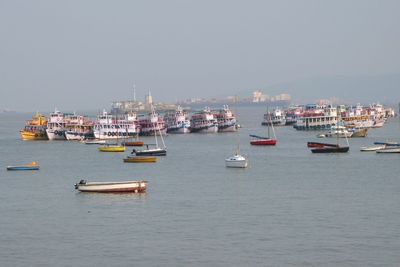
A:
(330, 149)
(389, 150)
(55, 134)
(236, 163)
(140, 159)
(112, 149)
(205, 129)
(112, 187)
(151, 153)
(22, 168)
(263, 142)
(32, 136)
(134, 143)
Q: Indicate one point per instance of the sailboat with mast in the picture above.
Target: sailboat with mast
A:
(237, 160)
(265, 140)
(327, 147)
(157, 150)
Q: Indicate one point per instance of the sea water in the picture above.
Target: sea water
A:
(288, 208)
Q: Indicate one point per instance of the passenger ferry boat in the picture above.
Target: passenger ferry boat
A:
(276, 117)
(203, 122)
(226, 120)
(148, 124)
(56, 126)
(108, 126)
(316, 118)
(177, 121)
(35, 129)
(78, 127)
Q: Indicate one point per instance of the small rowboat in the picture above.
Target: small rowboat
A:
(140, 159)
(133, 143)
(112, 149)
(112, 187)
(27, 167)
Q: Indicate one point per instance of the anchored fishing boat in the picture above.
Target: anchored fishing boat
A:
(177, 121)
(203, 122)
(112, 187)
(27, 167)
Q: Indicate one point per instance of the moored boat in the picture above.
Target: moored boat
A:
(325, 149)
(26, 167)
(133, 143)
(276, 117)
(177, 121)
(362, 132)
(94, 142)
(372, 148)
(226, 120)
(140, 159)
(112, 187)
(56, 126)
(111, 148)
(264, 141)
(236, 161)
(203, 122)
(35, 129)
(389, 150)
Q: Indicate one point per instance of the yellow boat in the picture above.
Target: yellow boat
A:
(112, 149)
(140, 159)
(35, 129)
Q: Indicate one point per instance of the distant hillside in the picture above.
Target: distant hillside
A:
(364, 89)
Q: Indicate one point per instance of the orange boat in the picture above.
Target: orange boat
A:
(133, 143)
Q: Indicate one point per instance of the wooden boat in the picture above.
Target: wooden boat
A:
(372, 148)
(112, 187)
(140, 159)
(338, 149)
(112, 148)
(264, 141)
(133, 143)
(27, 167)
(389, 150)
(319, 144)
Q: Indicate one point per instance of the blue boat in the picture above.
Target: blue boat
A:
(27, 167)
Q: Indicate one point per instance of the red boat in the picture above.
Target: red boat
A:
(263, 141)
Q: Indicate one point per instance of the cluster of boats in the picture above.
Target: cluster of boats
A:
(324, 117)
(63, 126)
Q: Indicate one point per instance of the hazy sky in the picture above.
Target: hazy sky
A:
(78, 55)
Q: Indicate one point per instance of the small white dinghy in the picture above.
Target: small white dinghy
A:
(236, 161)
(389, 150)
(112, 187)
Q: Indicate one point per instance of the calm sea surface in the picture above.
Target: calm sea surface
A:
(289, 208)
